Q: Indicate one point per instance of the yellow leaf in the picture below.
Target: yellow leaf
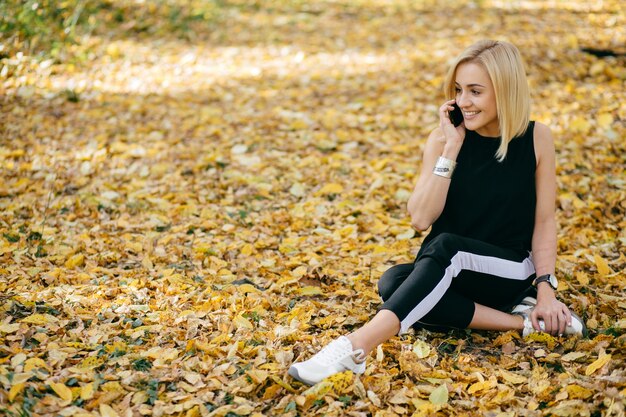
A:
(91, 362)
(602, 265)
(572, 356)
(599, 363)
(87, 391)
(9, 328)
(580, 124)
(34, 363)
(318, 390)
(247, 249)
(108, 411)
(135, 247)
(480, 386)
(346, 231)
(597, 68)
(76, 260)
(582, 278)
(80, 345)
(439, 396)
(242, 322)
(298, 125)
(576, 391)
(39, 319)
(15, 390)
(117, 345)
(257, 375)
(193, 412)
(512, 378)
(165, 354)
(310, 290)
(332, 188)
(605, 120)
(542, 337)
(247, 288)
(282, 383)
(146, 262)
(379, 164)
(341, 382)
(299, 272)
(421, 349)
(62, 391)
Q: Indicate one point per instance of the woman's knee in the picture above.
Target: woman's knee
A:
(443, 245)
(445, 239)
(392, 279)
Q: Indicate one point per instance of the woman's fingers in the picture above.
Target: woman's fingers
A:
(549, 321)
(534, 318)
(444, 109)
(562, 323)
(555, 319)
(566, 320)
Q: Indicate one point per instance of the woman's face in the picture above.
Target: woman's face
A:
(477, 99)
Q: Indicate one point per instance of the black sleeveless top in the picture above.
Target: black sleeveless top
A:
(489, 200)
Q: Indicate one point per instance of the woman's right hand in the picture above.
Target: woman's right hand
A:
(452, 135)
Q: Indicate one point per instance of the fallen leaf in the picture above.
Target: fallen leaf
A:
(62, 391)
(597, 364)
(439, 396)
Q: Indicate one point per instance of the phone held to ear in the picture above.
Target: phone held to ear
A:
(456, 115)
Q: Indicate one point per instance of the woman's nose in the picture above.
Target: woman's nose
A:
(462, 101)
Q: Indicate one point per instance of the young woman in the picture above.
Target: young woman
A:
(488, 188)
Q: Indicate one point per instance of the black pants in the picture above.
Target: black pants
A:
(448, 276)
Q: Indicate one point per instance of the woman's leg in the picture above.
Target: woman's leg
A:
(451, 275)
(392, 278)
(424, 289)
(487, 318)
(386, 324)
(457, 307)
(379, 329)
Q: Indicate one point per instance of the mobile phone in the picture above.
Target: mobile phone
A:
(456, 115)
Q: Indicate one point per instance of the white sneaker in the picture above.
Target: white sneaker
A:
(526, 307)
(335, 357)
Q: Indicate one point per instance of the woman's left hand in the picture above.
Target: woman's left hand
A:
(555, 315)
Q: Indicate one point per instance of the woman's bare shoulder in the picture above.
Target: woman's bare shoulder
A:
(542, 131)
(543, 141)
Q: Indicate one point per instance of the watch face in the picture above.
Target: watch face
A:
(553, 282)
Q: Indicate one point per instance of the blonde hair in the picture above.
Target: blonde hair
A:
(503, 63)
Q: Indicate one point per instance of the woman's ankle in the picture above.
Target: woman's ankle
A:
(520, 322)
(357, 344)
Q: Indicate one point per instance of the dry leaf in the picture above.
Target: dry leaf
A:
(602, 265)
(15, 391)
(194, 194)
(597, 364)
(439, 396)
(62, 391)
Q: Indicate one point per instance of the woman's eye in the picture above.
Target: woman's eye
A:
(475, 92)
(457, 90)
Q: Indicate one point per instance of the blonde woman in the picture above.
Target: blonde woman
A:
(487, 190)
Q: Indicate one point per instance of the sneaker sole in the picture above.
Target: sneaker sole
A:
(293, 371)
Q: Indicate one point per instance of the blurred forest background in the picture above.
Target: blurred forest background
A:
(194, 194)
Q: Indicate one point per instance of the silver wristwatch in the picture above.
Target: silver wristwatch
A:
(549, 278)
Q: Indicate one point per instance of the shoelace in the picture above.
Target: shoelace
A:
(333, 353)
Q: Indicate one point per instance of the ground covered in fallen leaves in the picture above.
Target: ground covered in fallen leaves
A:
(192, 197)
